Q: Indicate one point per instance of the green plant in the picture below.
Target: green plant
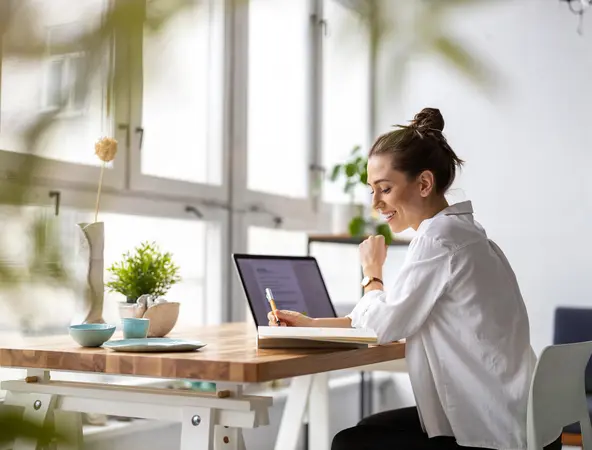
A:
(146, 271)
(354, 172)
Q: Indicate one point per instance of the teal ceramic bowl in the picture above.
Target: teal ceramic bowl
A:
(92, 334)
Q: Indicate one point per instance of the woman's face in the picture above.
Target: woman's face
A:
(400, 199)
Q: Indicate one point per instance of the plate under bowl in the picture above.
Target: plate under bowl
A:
(154, 345)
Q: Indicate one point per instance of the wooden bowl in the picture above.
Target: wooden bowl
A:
(163, 317)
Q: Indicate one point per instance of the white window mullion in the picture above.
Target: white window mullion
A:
(315, 108)
(237, 71)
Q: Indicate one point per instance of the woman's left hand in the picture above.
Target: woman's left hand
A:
(373, 255)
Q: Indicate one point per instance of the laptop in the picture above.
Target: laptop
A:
(296, 283)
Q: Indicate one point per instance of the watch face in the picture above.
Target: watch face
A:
(365, 281)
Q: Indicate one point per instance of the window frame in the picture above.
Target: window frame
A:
(230, 206)
(215, 219)
(177, 188)
(61, 173)
(242, 196)
(308, 214)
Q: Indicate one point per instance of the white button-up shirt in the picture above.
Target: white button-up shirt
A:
(457, 302)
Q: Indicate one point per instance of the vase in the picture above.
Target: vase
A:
(93, 239)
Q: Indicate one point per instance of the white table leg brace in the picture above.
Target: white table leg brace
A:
(207, 421)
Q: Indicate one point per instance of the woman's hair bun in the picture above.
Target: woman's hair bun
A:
(428, 118)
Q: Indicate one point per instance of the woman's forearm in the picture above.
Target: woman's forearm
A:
(334, 322)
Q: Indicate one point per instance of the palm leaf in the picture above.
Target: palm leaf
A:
(462, 60)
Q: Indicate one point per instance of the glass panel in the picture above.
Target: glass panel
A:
(278, 153)
(346, 92)
(185, 239)
(181, 109)
(268, 241)
(33, 87)
(50, 308)
(340, 266)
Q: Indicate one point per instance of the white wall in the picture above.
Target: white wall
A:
(528, 147)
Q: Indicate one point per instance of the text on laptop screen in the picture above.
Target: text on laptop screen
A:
(297, 285)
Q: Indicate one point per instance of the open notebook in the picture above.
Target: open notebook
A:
(309, 337)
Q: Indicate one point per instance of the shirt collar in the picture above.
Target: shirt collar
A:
(458, 209)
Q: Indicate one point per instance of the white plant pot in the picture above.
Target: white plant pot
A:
(93, 241)
(341, 216)
(126, 309)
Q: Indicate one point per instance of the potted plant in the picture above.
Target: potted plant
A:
(146, 271)
(354, 173)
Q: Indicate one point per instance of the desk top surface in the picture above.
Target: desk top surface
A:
(230, 355)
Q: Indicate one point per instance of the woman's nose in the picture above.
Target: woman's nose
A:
(376, 201)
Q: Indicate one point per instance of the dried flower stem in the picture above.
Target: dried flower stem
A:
(99, 191)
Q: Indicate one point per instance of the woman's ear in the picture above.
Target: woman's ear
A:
(427, 183)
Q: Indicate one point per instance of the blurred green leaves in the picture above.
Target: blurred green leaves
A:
(353, 171)
(401, 31)
(23, 37)
(13, 425)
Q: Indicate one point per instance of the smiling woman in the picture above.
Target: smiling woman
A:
(407, 166)
(456, 301)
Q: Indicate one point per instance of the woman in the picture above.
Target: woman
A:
(456, 301)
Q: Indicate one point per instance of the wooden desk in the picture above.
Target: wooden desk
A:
(230, 359)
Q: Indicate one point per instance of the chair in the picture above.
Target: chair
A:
(557, 394)
(575, 325)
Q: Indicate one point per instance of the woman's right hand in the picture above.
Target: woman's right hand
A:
(290, 319)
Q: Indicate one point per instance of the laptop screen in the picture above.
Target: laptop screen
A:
(296, 283)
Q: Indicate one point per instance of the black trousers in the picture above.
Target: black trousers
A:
(398, 429)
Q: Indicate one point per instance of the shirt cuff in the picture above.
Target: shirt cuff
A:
(358, 313)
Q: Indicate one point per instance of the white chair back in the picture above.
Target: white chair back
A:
(558, 396)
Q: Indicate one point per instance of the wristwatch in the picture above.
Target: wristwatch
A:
(367, 280)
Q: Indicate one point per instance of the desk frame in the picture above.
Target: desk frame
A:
(207, 420)
(210, 421)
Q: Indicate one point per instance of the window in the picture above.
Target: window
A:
(38, 302)
(346, 91)
(340, 266)
(185, 239)
(193, 244)
(278, 151)
(182, 95)
(268, 241)
(34, 87)
(211, 94)
(62, 84)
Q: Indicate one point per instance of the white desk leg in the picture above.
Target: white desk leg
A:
(226, 438)
(68, 425)
(197, 429)
(294, 411)
(318, 413)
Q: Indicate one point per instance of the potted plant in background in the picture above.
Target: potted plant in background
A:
(144, 277)
(354, 173)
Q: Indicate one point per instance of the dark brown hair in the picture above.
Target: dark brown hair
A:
(421, 146)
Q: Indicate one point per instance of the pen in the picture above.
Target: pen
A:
(271, 301)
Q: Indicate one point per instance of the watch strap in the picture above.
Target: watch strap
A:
(372, 279)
